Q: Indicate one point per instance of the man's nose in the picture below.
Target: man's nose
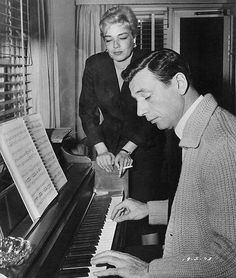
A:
(141, 108)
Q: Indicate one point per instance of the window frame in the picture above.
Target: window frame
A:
(154, 12)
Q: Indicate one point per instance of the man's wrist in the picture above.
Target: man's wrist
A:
(126, 151)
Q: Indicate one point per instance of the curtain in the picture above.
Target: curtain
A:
(88, 42)
(45, 74)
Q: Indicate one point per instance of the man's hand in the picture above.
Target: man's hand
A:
(129, 209)
(122, 160)
(126, 266)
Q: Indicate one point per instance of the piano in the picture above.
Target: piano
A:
(74, 227)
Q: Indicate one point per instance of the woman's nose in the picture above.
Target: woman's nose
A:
(116, 43)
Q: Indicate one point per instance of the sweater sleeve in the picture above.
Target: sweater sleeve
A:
(88, 107)
(217, 262)
(218, 258)
(158, 212)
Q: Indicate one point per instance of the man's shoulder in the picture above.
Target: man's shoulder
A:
(223, 122)
(220, 132)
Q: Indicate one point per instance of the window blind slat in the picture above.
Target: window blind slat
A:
(17, 101)
(12, 74)
(8, 114)
(13, 92)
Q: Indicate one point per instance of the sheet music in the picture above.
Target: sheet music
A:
(37, 131)
(26, 167)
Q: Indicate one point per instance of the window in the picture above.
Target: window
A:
(14, 59)
(152, 26)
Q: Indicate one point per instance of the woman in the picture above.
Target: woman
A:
(121, 137)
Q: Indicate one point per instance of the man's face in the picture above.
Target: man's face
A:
(161, 104)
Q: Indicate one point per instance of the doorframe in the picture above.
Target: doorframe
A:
(227, 87)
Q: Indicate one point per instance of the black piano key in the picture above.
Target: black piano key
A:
(77, 264)
(83, 250)
(81, 245)
(86, 236)
(91, 241)
(85, 240)
(74, 262)
(79, 256)
(77, 249)
(73, 273)
(82, 253)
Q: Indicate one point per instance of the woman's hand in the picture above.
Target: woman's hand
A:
(126, 266)
(106, 161)
(129, 209)
(122, 160)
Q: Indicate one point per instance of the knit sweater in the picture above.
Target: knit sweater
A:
(201, 234)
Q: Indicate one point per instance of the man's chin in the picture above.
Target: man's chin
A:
(160, 126)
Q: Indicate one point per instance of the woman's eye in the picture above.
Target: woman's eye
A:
(123, 38)
(107, 41)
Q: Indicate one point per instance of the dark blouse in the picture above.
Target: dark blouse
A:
(100, 91)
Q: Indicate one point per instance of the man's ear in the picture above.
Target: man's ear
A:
(181, 83)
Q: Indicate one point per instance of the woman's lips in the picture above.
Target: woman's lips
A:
(117, 53)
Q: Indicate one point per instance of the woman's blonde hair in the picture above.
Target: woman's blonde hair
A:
(121, 14)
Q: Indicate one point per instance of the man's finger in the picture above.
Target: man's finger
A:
(107, 272)
(117, 213)
(123, 217)
(118, 208)
(116, 257)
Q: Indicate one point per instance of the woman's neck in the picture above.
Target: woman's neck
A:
(123, 64)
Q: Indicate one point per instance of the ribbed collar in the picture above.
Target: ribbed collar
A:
(181, 124)
(197, 122)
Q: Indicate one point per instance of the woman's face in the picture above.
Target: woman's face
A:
(119, 41)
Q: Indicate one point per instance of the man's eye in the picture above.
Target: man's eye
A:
(107, 41)
(147, 97)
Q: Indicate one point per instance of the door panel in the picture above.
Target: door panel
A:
(201, 38)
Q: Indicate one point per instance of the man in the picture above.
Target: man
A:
(201, 234)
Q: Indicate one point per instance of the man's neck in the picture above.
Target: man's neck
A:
(190, 97)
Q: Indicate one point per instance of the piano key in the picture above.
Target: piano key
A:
(80, 272)
(96, 236)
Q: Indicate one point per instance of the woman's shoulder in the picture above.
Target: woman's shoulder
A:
(98, 58)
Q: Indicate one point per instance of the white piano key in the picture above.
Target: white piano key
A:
(105, 238)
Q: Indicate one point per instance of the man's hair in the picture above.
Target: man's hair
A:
(121, 14)
(164, 64)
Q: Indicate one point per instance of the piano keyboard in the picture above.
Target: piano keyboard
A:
(93, 236)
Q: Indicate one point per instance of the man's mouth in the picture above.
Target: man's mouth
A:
(153, 121)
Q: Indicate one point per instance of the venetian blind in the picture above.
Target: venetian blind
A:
(14, 59)
(152, 28)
